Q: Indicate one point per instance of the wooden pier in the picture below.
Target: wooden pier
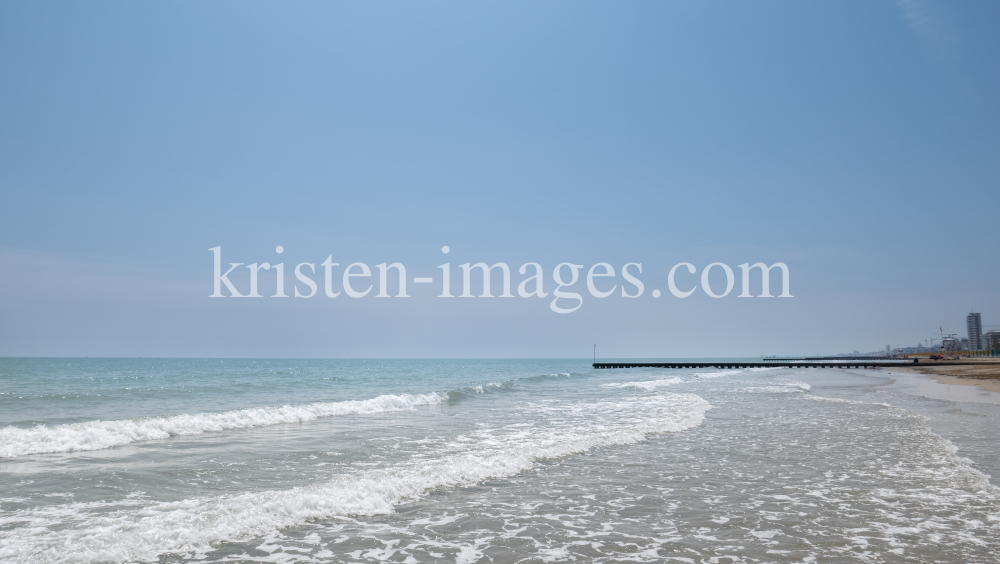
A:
(769, 364)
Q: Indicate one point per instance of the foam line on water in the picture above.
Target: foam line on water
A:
(97, 435)
(652, 385)
(648, 385)
(142, 531)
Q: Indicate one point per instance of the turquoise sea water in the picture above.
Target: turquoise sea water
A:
(163, 460)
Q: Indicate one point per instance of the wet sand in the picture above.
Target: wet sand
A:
(985, 374)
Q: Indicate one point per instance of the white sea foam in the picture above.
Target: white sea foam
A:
(648, 385)
(96, 435)
(717, 374)
(142, 532)
(841, 400)
(779, 388)
(651, 385)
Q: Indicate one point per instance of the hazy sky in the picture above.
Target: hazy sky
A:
(858, 142)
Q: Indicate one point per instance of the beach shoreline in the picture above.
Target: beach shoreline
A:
(985, 375)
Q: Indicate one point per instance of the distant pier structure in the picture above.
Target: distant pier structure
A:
(808, 362)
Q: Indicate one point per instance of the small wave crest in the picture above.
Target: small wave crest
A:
(504, 386)
(779, 388)
(719, 374)
(652, 385)
(648, 385)
(97, 435)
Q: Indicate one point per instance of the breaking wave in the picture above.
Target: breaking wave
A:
(97, 435)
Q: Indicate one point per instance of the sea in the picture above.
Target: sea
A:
(492, 461)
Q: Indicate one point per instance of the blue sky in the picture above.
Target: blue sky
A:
(857, 142)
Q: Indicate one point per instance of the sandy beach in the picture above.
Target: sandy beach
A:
(985, 373)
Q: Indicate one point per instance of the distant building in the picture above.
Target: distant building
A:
(974, 323)
(887, 349)
(992, 340)
(963, 344)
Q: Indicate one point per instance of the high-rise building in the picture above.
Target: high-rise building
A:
(974, 323)
(992, 340)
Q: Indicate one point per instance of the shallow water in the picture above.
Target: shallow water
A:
(502, 461)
